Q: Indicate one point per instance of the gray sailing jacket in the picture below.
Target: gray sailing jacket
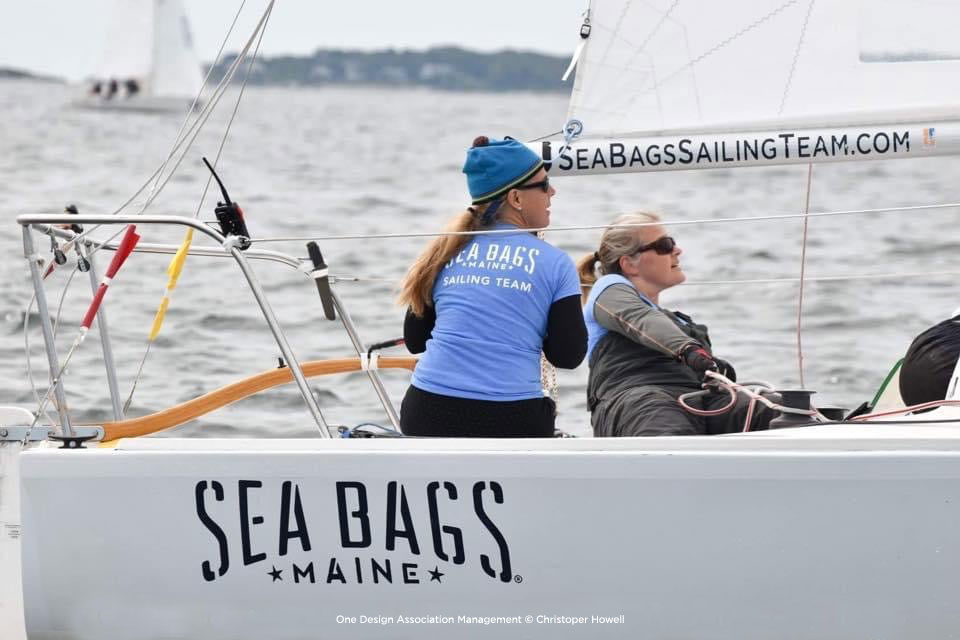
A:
(642, 346)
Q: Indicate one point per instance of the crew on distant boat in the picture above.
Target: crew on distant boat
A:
(96, 89)
(641, 356)
(112, 88)
(483, 307)
(132, 87)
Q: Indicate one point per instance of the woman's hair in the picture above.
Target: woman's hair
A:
(417, 288)
(616, 241)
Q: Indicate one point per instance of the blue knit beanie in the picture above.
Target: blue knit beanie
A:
(493, 167)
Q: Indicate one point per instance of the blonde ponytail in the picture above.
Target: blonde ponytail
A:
(416, 291)
(587, 270)
(618, 240)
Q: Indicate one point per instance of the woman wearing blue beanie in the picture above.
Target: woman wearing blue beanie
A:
(481, 308)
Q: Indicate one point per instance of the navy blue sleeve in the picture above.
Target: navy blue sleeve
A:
(417, 329)
(566, 343)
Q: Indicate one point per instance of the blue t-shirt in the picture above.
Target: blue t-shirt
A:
(492, 301)
(595, 330)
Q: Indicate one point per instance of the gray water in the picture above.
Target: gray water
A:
(334, 161)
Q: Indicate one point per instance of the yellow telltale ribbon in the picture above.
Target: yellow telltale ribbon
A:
(173, 274)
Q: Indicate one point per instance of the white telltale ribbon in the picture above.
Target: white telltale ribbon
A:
(584, 34)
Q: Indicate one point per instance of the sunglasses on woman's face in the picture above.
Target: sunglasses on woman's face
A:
(664, 245)
(543, 185)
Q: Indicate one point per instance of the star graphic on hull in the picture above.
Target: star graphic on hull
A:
(435, 575)
(275, 574)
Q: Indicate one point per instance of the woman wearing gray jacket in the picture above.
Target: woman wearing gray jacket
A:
(642, 356)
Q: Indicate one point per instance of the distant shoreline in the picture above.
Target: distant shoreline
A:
(7, 73)
(440, 68)
(445, 68)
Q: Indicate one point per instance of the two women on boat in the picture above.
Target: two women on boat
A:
(484, 301)
(483, 304)
(642, 357)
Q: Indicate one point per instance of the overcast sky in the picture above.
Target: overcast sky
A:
(65, 37)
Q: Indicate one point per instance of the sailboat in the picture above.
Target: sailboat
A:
(838, 529)
(148, 63)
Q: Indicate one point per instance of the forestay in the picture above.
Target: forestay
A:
(763, 82)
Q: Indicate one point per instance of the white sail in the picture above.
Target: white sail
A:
(149, 63)
(690, 65)
(693, 83)
(128, 50)
(176, 68)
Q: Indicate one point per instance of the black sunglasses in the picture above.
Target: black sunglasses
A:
(663, 245)
(543, 184)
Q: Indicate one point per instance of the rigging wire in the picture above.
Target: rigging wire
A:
(194, 128)
(796, 57)
(600, 227)
(338, 278)
(803, 268)
(256, 35)
(26, 348)
(56, 323)
(223, 142)
(196, 99)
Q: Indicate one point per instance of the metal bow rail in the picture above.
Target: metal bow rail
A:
(53, 224)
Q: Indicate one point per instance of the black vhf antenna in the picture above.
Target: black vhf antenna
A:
(229, 214)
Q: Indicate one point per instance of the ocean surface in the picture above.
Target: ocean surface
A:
(320, 162)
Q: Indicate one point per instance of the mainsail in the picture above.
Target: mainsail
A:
(709, 83)
(149, 42)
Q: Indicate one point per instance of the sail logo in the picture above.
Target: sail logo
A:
(785, 147)
(392, 534)
(928, 139)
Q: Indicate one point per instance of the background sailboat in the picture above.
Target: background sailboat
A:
(148, 62)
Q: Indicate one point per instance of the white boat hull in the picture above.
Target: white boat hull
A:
(11, 593)
(138, 104)
(826, 532)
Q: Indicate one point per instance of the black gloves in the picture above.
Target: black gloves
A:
(726, 369)
(701, 361)
(698, 359)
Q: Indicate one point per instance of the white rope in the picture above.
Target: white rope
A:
(592, 227)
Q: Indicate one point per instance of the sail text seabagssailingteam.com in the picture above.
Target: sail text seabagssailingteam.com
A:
(728, 150)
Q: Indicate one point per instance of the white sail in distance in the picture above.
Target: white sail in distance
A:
(176, 68)
(764, 81)
(149, 41)
(128, 50)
